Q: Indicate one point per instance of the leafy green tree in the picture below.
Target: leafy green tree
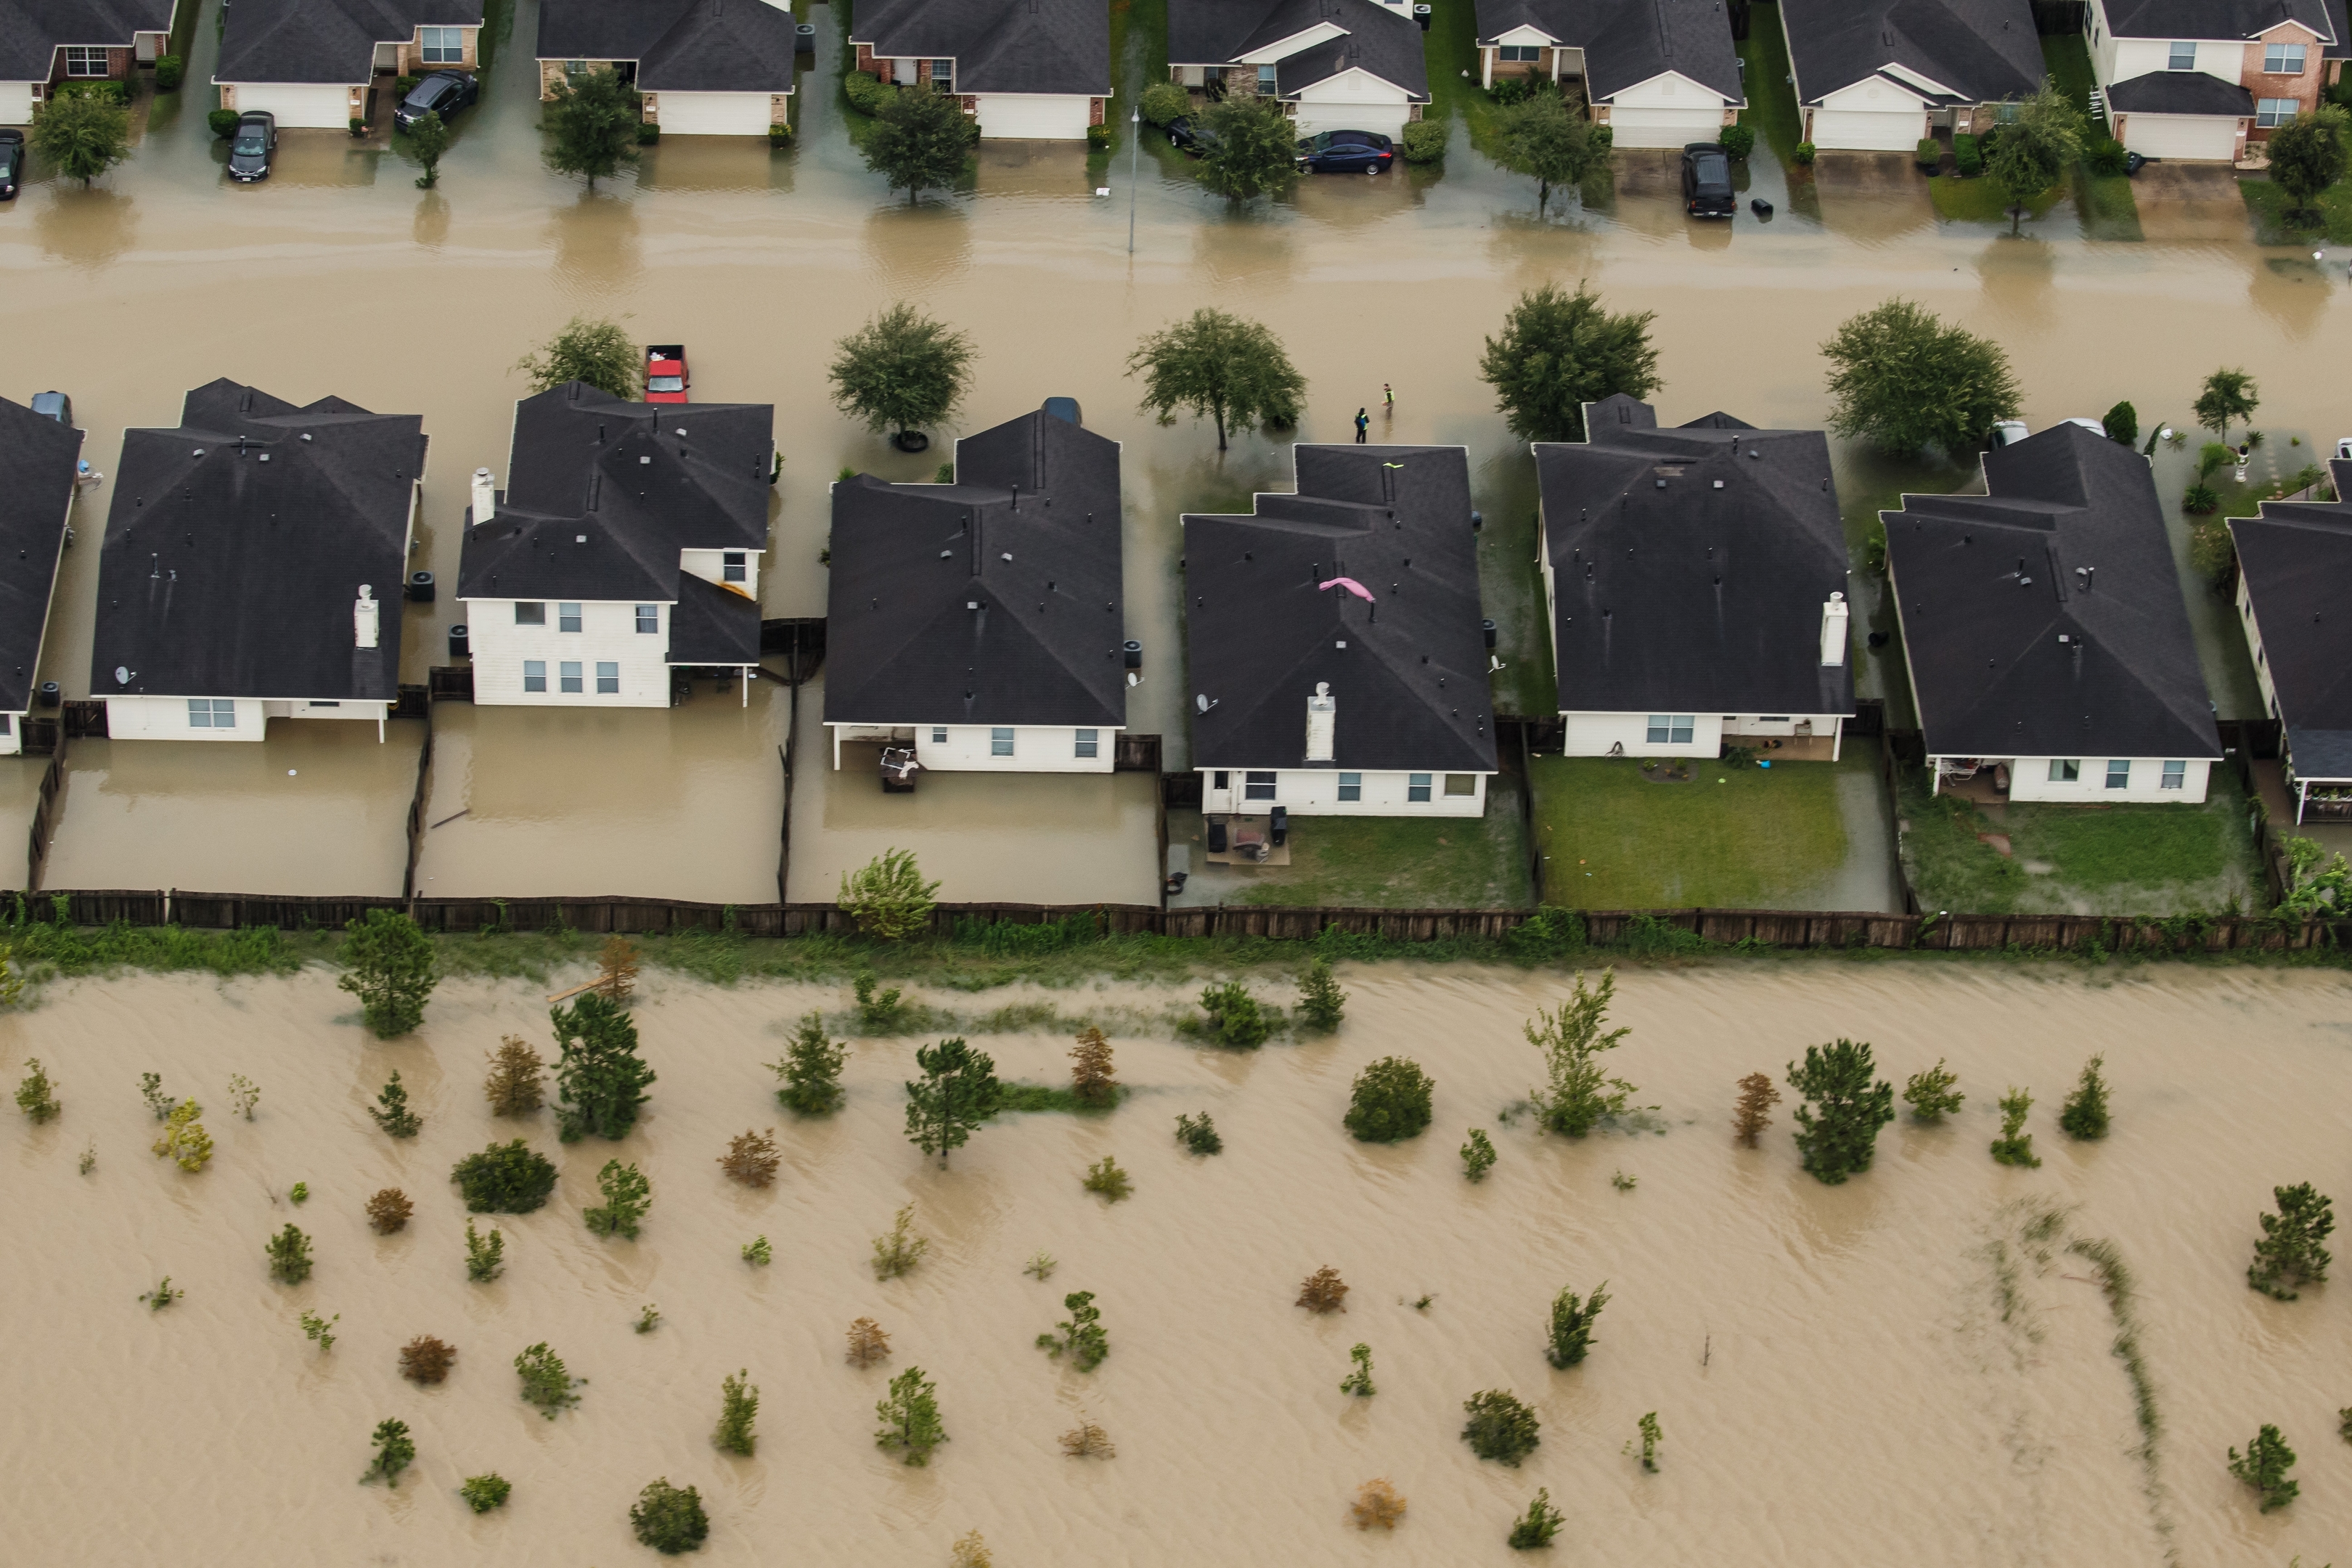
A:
(2015, 1145)
(484, 1255)
(1220, 367)
(1320, 1001)
(290, 1256)
(1199, 1135)
(1578, 1091)
(669, 1519)
(395, 1452)
(1838, 1125)
(485, 1492)
(1931, 1095)
(922, 139)
(592, 125)
(2084, 1114)
(427, 140)
(1390, 1101)
(1081, 1336)
(598, 352)
(1256, 150)
(2228, 395)
(1477, 1156)
(1359, 1381)
(888, 896)
(2034, 152)
(1535, 1528)
(1543, 136)
(546, 1381)
(627, 1195)
(1558, 351)
(35, 1097)
(811, 1068)
(1235, 1017)
(2290, 1252)
(1500, 1426)
(2263, 1467)
(505, 1178)
(739, 1410)
(1902, 379)
(1571, 1325)
(599, 1080)
(82, 134)
(911, 1417)
(957, 1093)
(391, 1112)
(2306, 156)
(2122, 424)
(388, 964)
(1163, 102)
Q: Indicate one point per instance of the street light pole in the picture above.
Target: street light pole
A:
(1134, 164)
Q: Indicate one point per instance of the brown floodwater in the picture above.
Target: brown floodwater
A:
(338, 276)
(1887, 1370)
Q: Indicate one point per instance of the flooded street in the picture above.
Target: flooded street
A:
(337, 276)
(1908, 1368)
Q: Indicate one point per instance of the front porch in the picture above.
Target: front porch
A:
(1786, 748)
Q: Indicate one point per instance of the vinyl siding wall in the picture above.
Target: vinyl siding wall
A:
(970, 748)
(1314, 792)
(608, 633)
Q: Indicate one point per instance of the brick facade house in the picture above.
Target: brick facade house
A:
(44, 47)
(2212, 80)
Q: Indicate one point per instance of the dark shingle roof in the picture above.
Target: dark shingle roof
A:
(2180, 93)
(37, 486)
(1984, 50)
(1627, 42)
(1374, 39)
(998, 45)
(325, 41)
(1261, 632)
(2298, 557)
(1706, 594)
(587, 516)
(1380, 43)
(1992, 679)
(680, 45)
(712, 624)
(994, 600)
(2217, 18)
(31, 31)
(233, 573)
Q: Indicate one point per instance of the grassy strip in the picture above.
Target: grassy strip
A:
(1726, 838)
(1038, 1097)
(2269, 206)
(1771, 98)
(2109, 208)
(1448, 49)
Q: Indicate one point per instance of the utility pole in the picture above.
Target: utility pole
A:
(1134, 166)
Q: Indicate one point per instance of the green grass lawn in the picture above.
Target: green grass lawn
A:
(2140, 859)
(1771, 99)
(1405, 863)
(2269, 205)
(1511, 587)
(1617, 841)
(1980, 200)
(1449, 49)
(2106, 203)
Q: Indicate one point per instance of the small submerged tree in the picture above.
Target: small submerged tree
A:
(1321, 1003)
(81, 134)
(627, 1195)
(428, 139)
(547, 1383)
(911, 1417)
(921, 140)
(591, 122)
(1579, 1092)
(2015, 1145)
(484, 1255)
(600, 353)
(599, 1082)
(2263, 1467)
(504, 1178)
(669, 1519)
(1571, 1336)
(1558, 351)
(1323, 1291)
(739, 1411)
(1536, 1527)
(1477, 1156)
(35, 1097)
(1930, 1094)
(1390, 1101)
(1754, 1111)
(2291, 1251)
(388, 964)
(1080, 1335)
(426, 1360)
(2084, 1114)
(900, 371)
(751, 1158)
(388, 1211)
(957, 1091)
(1377, 1502)
(516, 1085)
(617, 969)
(184, 1142)
(1359, 1381)
(1199, 1135)
(1837, 1127)
(1544, 137)
(391, 1112)
(867, 1343)
(290, 1256)
(1093, 1077)
(2229, 396)
(898, 1251)
(1220, 367)
(1234, 1016)
(395, 1452)
(811, 1070)
(1500, 1426)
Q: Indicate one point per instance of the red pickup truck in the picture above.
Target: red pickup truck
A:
(666, 373)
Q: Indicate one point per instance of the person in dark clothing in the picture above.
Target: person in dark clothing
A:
(1363, 422)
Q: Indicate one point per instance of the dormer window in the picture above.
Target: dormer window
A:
(732, 568)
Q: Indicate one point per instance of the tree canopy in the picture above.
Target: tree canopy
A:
(2306, 154)
(592, 125)
(1559, 352)
(1256, 150)
(428, 139)
(388, 964)
(83, 135)
(1544, 137)
(2227, 396)
(2032, 153)
(901, 369)
(598, 352)
(922, 138)
(957, 1091)
(1219, 367)
(1906, 381)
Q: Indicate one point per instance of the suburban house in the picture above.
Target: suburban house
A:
(253, 567)
(1658, 73)
(1881, 75)
(1334, 65)
(2293, 563)
(706, 67)
(44, 43)
(1036, 70)
(977, 622)
(2049, 646)
(37, 456)
(1333, 642)
(1695, 580)
(625, 550)
(2200, 78)
(312, 62)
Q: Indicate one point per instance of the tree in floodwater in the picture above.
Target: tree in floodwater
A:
(592, 125)
(598, 352)
(1558, 351)
(2290, 1252)
(922, 138)
(900, 372)
(957, 1091)
(388, 964)
(82, 134)
(1220, 367)
(1837, 1126)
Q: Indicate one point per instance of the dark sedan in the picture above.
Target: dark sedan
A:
(251, 147)
(1187, 134)
(12, 162)
(437, 92)
(1706, 180)
(1345, 152)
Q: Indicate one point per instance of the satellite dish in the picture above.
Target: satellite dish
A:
(1199, 701)
(121, 675)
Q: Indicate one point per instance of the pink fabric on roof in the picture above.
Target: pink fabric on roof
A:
(1349, 584)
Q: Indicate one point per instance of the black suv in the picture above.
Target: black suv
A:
(1706, 180)
(437, 92)
(12, 162)
(252, 146)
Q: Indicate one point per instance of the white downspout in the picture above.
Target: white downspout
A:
(1837, 735)
(1487, 67)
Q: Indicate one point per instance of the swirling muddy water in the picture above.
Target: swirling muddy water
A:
(1884, 1372)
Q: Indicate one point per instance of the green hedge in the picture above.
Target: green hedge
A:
(867, 95)
(1424, 141)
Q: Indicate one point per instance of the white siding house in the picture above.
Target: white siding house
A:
(1027, 70)
(1664, 73)
(1878, 76)
(1334, 65)
(37, 458)
(311, 63)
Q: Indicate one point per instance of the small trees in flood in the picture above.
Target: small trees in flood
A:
(1757, 1095)
(669, 1519)
(485, 1492)
(1477, 1156)
(426, 1360)
(1104, 1176)
(505, 1178)
(1649, 1436)
(547, 1383)
(2015, 1145)
(599, 1080)
(1377, 1502)
(1321, 1003)
(867, 1343)
(1199, 1135)
(957, 1093)
(1571, 1334)
(1323, 1291)
(391, 1112)
(1578, 1093)
(2084, 1114)
(911, 1417)
(1359, 1381)
(751, 1158)
(627, 1195)
(1930, 1094)
(388, 964)
(184, 1141)
(318, 1331)
(1234, 1016)
(1500, 1426)
(887, 897)
(1087, 1440)
(290, 1256)
(243, 1094)
(1093, 1078)
(1837, 1127)
(34, 1095)
(516, 1085)
(388, 1211)
(1536, 1527)
(739, 1411)
(1390, 1101)
(484, 1255)
(811, 1069)
(394, 1453)
(1081, 1334)
(2263, 1467)
(2291, 1251)
(901, 1249)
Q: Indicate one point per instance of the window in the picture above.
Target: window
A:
(527, 615)
(568, 675)
(1000, 740)
(943, 74)
(2279, 60)
(4, 725)
(939, 734)
(2065, 769)
(1351, 786)
(1519, 54)
(210, 713)
(2184, 57)
(1222, 780)
(1416, 786)
(442, 46)
(1087, 742)
(730, 567)
(648, 618)
(575, 68)
(2118, 773)
(608, 678)
(2004, 114)
(86, 62)
(2273, 111)
(1266, 79)
(2176, 776)
(567, 618)
(534, 675)
(1670, 728)
(1257, 787)
(1461, 783)
(337, 703)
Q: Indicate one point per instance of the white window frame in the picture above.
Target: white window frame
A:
(999, 740)
(1256, 781)
(534, 675)
(448, 49)
(608, 678)
(939, 734)
(2175, 776)
(2174, 59)
(1519, 54)
(575, 68)
(1351, 787)
(648, 619)
(1671, 729)
(531, 612)
(2272, 112)
(943, 75)
(1416, 787)
(2282, 53)
(2119, 772)
(1268, 79)
(567, 618)
(2065, 769)
(212, 713)
(1089, 743)
(80, 58)
(1461, 785)
(732, 568)
(567, 676)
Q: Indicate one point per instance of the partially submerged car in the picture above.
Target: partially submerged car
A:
(11, 162)
(666, 373)
(252, 146)
(441, 93)
(1706, 180)
(1345, 152)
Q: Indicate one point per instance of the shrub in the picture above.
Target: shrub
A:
(151, 1089)
(1837, 1125)
(2289, 1251)
(899, 1251)
(1391, 1101)
(617, 969)
(1500, 1428)
(402, 86)
(599, 1080)
(1081, 1334)
(2214, 455)
(546, 1381)
(388, 1211)
(649, 1318)
(1377, 1502)
(739, 1410)
(505, 1178)
(35, 1097)
(484, 1255)
(1604, 139)
(669, 1519)
(1536, 1527)
(1097, 137)
(317, 1330)
(1545, 934)
(867, 1343)
(2106, 156)
(1235, 1017)
(485, 1492)
(391, 1112)
(1320, 1001)
(1967, 156)
(426, 1360)
(299, 1194)
(1359, 1381)
(2015, 1145)
(887, 897)
(243, 1095)
(1929, 154)
(1650, 1437)
(388, 965)
(1754, 1111)
(161, 1296)
(1804, 154)
(1424, 142)
(290, 1256)
(168, 69)
(1477, 1156)
(648, 133)
(2200, 500)
(222, 122)
(2122, 424)
(1087, 1441)
(971, 1551)
(1041, 1266)
(911, 1417)
(2084, 1114)
(1930, 1094)
(2263, 1467)
(1579, 1093)
(758, 1253)
(1092, 1076)
(1738, 140)
(811, 1065)
(867, 94)
(514, 1087)
(394, 1453)
(184, 1141)
(780, 135)
(1571, 1336)
(751, 1158)
(957, 1091)
(1163, 102)
(627, 1196)
(879, 1012)
(1323, 1291)
(1199, 1135)
(1104, 1176)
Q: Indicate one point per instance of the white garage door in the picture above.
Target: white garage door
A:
(1664, 127)
(1388, 119)
(299, 105)
(1869, 129)
(16, 103)
(2209, 136)
(1033, 117)
(713, 114)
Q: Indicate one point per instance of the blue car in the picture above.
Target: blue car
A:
(1345, 152)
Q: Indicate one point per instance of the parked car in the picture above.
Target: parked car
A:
(12, 162)
(1345, 152)
(436, 92)
(2009, 432)
(252, 146)
(1706, 180)
(1187, 134)
(666, 373)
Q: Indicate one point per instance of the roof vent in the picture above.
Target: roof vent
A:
(1833, 638)
(486, 496)
(365, 618)
(1322, 723)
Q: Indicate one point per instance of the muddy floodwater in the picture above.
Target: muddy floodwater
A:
(1912, 1368)
(338, 276)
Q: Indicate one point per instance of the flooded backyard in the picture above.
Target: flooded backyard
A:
(337, 276)
(1912, 1367)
